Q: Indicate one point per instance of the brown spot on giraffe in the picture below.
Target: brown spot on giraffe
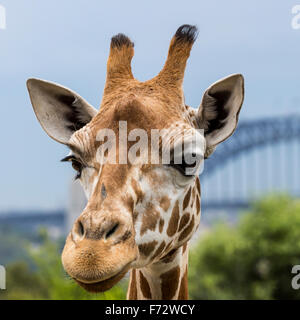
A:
(154, 178)
(187, 231)
(161, 225)
(173, 223)
(183, 221)
(133, 286)
(198, 205)
(198, 186)
(165, 203)
(145, 286)
(150, 219)
(169, 283)
(187, 199)
(129, 201)
(137, 190)
(147, 248)
(170, 256)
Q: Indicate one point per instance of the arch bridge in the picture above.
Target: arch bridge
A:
(261, 157)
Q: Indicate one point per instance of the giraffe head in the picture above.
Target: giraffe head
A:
(138, 211)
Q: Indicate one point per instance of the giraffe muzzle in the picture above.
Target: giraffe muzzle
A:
(103, 285)
(98, 255)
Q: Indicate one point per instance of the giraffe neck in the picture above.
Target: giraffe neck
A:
(165, 279)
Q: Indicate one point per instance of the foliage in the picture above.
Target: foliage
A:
(48, 280)
(253, 259)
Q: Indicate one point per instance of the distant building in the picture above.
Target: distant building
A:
(30, 222)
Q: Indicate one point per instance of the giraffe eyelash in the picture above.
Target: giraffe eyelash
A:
(76, 164)
(68, 158)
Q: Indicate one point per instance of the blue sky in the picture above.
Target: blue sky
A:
(67, 42)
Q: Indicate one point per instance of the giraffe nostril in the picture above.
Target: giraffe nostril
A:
(80, 229)
(112, 230)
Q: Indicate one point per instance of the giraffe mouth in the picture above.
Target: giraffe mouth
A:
(103, 285)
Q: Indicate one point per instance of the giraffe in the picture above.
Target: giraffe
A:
(139, 217)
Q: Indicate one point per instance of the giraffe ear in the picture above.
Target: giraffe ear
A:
(219, 110)
(59, 110)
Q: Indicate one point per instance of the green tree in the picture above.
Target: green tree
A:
(22, 283)
(253, 259)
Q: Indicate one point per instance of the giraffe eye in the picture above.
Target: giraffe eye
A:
(183, 166)
(76, 165)
(187, 164)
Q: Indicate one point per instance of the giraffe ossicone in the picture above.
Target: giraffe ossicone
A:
(140, 215)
